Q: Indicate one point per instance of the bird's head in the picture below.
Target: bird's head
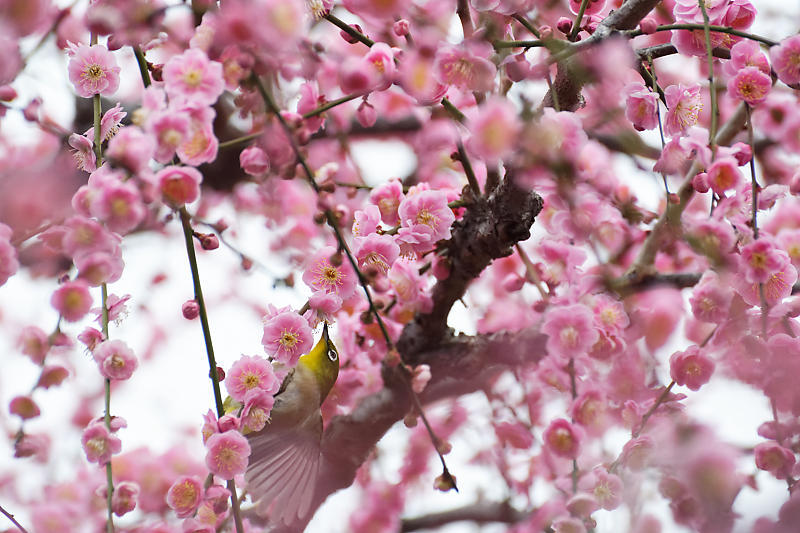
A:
(323, 361)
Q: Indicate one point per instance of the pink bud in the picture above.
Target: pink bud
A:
(190, 309)
(227, 423)
(564, 25)
(513, 282)
(400, 28)
(648, 25)
(254, 161)
(209, 241)
(366, 114)
(24, 407)
(347, 37)
(7, 93)
(700, 182)
(742, 153)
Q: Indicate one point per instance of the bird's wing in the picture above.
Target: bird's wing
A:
(284, 461)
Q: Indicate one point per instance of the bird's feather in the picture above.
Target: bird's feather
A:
(285, 455)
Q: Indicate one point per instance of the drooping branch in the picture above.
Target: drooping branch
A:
(479, 513)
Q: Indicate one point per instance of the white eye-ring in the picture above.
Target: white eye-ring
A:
(332, 355)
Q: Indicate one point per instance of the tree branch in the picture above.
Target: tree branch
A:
(488, 231)
(479, 513)
(569, 82)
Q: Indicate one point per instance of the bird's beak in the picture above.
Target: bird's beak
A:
(325, 333)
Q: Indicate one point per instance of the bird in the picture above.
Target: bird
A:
(285, 457)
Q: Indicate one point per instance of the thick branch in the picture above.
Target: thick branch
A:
(459, 365)
(480, 513)
(489, 230)
(569, 81)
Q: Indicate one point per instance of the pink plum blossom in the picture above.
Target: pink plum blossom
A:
(786, 60)
(24, 407)
(170, 128)
(254, 161)
(465, 67)
(740, 14)
(746, 53)
(777, 287)
(563, 439)
(99, 267)
(93, 70)
(179, 185)
(494, 129)
(192, 77)
(366, 221)
(85, 158)
(570, 330)
(592, 7)
(257, 406)
(99, 444)
(34, 343)
(723, 175)
(710, 300)
(324, 306)
(689, 11)
(381, 58)
(691, 367)
(115, 359)
(250, 373)
(417, 77)
(388, 197)
(761, 259)
(641, 106)
(118, 204)
(606, 488)
(683, 108)
(200, 145)
(227, 454)
(72, 300)
(124, 499)
(322, 275)
(287, 336)
(750, 85)
(185, 495)
(427, 212)
(131, 149)
(774, 458)
(377, 251)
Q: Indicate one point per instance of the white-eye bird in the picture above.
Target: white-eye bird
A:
(286, 455)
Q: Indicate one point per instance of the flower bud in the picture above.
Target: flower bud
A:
(190, 309)
(400, 28)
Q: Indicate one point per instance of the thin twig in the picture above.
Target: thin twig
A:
(712, 91)
(13, 520)
(349, 30)
(188, 234)
(328, 105)
(576, 26)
